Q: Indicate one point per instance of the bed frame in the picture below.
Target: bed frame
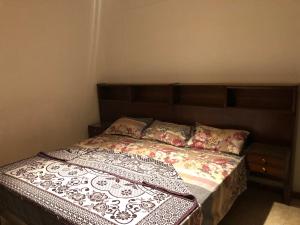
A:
(268, 112)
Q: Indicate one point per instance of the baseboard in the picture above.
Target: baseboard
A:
(296, 194)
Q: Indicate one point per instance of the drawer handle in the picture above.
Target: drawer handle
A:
(264, 169)
(263, 160)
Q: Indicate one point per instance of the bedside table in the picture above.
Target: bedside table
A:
(270, 165)
(96, 129)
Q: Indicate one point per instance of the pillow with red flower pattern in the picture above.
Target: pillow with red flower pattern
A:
(128, 127)
(224, 140)
(170, 133)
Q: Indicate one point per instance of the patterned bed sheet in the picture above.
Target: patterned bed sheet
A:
(87, 186)
(216, 179)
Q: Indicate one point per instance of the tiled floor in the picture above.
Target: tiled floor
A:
(281, 214)
(262, 207)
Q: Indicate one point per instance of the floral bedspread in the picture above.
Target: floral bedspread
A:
(200, 167)
(87, 186)
(215, 178)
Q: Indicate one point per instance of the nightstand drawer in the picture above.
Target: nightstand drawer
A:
(266, 160)
(267, 170)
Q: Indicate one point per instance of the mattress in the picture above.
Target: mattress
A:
(146, 182)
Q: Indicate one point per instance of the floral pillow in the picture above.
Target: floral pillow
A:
(224, 140)
(170, 133)
(128, 127)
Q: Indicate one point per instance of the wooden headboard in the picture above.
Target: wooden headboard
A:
(268, 112)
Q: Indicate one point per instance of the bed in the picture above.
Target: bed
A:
(113, 179)
(213, 178)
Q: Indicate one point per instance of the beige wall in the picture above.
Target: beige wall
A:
(47, 87)
(203, 41)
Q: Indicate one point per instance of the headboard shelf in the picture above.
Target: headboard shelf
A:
(268, 112)
(152, 93)
(273, 98)
(200, 95)
(115, 92)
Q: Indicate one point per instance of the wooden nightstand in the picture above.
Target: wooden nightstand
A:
(270, 165)
(96, 129)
